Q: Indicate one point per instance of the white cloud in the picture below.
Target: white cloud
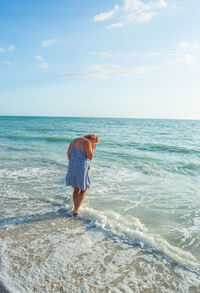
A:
(40, 58)
(7, 62)
(43, 65)
(48, 42)
(159, 4)
(106, 54)
(180, 58)
(183, 45)
(11, 48)
(193, 46)
(139, 16)
(132, 11)
(109, 55)
(133, 54)
(116, 25)
(98, 71)
(153, 54)
(140, 5)
(106, 15)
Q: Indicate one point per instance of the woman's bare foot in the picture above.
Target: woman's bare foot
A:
(75, 213)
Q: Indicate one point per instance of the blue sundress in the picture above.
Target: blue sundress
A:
(78, 172)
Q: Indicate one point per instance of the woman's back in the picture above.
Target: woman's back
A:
(77, 153)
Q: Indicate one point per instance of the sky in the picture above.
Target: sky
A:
(100, 58)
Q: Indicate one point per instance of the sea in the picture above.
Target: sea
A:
(138, 229)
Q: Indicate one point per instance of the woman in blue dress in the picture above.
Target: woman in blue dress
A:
(80, 152)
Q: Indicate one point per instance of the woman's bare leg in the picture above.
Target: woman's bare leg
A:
(79, 200)
(75, 194)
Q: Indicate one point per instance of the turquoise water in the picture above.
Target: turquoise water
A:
(138, 229)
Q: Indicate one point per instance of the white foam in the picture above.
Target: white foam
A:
(134, 230)
(4, 269)
(30, 172)
(61, 258)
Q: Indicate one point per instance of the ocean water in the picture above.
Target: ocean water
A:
(139, 226)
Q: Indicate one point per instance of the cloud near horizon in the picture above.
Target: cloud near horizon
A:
(98, 71)
(186, 53)
(134, 11)
(105, 54)
(153, 54)
(180, 58)
(191, 46)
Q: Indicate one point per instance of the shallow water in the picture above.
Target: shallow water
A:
(138, 229)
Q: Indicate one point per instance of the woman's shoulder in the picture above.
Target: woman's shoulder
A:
(86, 142)
(80, 142)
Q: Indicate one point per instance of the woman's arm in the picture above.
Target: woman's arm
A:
(68, 151)
(89, 149)
(93, 145)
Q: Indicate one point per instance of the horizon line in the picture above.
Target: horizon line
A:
(98, 117)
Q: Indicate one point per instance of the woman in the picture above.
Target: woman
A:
(80, 151)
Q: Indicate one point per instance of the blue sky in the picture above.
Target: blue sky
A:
(100, 58)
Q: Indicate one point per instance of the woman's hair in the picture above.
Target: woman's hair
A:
(93, 137)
